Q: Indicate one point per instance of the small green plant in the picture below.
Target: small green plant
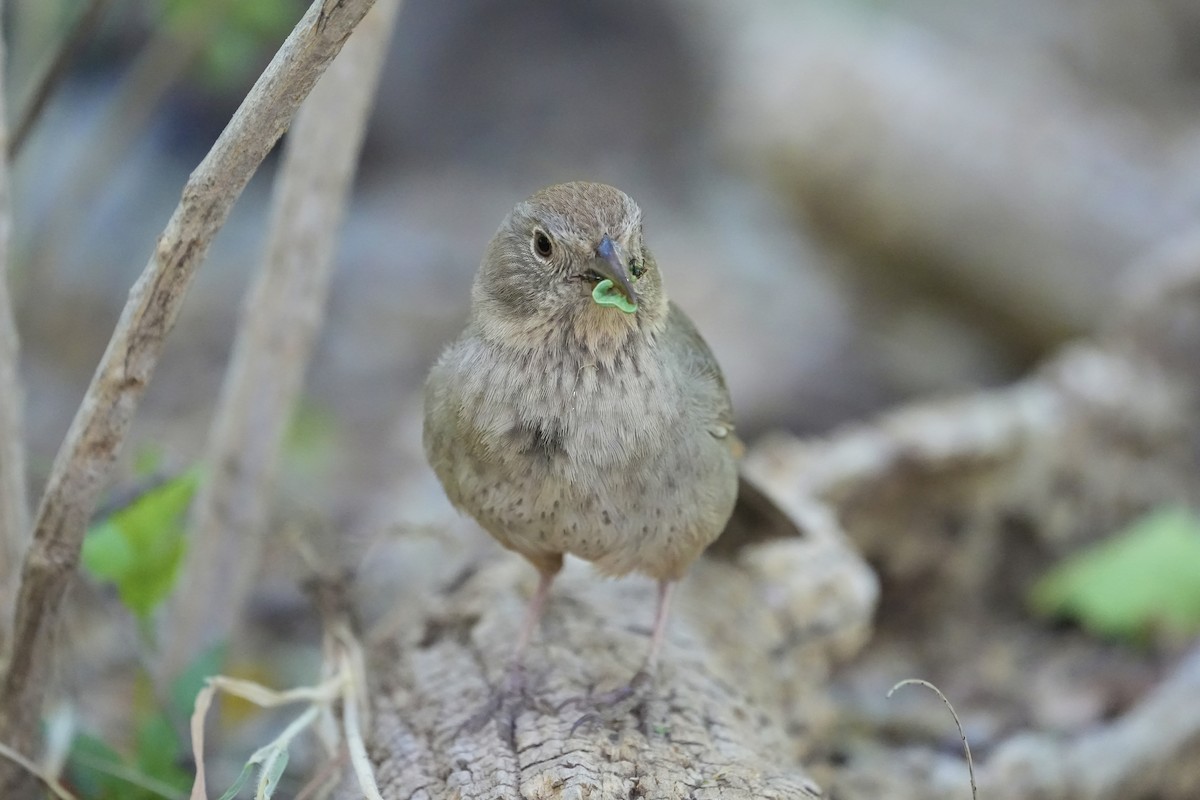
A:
(152, 769)
(1144, 580)
(139, 548)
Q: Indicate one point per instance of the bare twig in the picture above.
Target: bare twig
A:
(31, 769)
(14, 504)
(337, 688)
(352, 729)
(54, 72)
(961, 734)
(280, 321)
(126, 367)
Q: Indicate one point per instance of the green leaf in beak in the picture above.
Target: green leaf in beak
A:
(604, 295)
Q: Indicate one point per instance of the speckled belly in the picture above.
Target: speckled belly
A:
(654, 517)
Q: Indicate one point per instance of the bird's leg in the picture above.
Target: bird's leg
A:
(665, 590)
(621, 701)
(514, 676)
(511, 690)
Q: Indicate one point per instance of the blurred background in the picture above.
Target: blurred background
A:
(860, 202)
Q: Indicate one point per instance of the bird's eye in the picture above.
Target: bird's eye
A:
(636, 268)
(542, 245)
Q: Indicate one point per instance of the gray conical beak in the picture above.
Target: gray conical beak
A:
(609, 265)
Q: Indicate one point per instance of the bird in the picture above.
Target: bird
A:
(580, 411)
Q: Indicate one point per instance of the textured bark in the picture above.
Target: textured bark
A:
(14, 501)
(107, 409)
(280, 321)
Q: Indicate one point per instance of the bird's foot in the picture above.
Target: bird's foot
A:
(609, 707)
(505, 702)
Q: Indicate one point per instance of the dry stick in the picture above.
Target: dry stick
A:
(107, 409)
(49, 781)
(961, 734)
(280, 320)
(14, 502)
(55, 71)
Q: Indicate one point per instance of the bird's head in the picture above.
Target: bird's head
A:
(570, 257)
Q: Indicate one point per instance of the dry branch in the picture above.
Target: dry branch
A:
(280, 321)
(14, 502)
(107, 409)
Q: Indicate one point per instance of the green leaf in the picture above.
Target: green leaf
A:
(273, 759)
(160, 752)
(98, 772)
(139, 548)
(107, 552)
(85, 768)
(1141, 581)
(244, 776)
(606, 294)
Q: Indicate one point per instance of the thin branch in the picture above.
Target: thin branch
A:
(55, 71)
(86, 457)
(958, 723)
(14, 501)
(32, 770)
(280, 321)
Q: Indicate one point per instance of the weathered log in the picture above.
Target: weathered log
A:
(747, 654)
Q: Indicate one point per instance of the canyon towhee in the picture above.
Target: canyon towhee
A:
(580, 411)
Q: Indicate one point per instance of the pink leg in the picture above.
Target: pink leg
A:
(510, 694)
(533, 615)
(665, 589)
(620, 701)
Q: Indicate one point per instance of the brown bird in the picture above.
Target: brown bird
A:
(580, 411)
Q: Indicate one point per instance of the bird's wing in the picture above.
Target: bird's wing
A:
(756, 517)
(711, 392)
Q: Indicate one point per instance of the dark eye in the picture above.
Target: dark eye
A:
(636, 268)
(542, 245)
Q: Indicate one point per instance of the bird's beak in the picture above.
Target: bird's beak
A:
(609, 265)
